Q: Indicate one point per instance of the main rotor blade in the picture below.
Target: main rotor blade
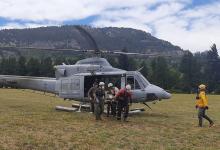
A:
(49, 49)
(89, 51)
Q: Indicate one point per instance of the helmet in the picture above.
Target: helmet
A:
(128, 87)
(101, 83)
(110, 85)
(202, 87)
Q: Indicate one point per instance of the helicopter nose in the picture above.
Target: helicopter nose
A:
(159, 92)
(166, 95)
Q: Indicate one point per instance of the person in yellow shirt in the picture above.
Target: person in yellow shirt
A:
(202, 105)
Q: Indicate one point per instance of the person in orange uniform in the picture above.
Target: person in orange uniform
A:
(202, 105)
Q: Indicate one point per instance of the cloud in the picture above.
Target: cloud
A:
(15, 25)
(178, 21)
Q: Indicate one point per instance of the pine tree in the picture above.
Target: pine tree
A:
(33, 67)
(160, 72)
(46, 68)
(22, 70)
(190, 70)
(145, 69)
(212, 71)
(10, 66)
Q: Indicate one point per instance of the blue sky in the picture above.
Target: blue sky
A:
(191, 24)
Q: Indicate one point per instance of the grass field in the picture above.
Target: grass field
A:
(29, 121)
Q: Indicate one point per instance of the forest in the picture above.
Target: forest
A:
(181, 76)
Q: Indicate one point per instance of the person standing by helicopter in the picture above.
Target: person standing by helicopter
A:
(110, 100)
(202, 105)
(99, 100)
(91, 95)
(124, 98)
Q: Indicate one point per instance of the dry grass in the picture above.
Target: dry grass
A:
(29, 121)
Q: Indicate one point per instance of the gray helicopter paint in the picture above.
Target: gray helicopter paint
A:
(89, 65)
(27, 82)
(71, 84)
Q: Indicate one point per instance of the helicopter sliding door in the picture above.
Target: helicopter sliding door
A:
(71, 87)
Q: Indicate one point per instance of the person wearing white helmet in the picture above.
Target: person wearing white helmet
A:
(110, 100)
(124, 98)
(202, 105)
(100, 99)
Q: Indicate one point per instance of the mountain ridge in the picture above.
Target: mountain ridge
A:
(87, 37)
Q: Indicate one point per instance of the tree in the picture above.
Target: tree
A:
(10, 66)
(33, 67)
(190, 70)
(212, 72)
(46, 68)
(160, 72)
(22, 70)
(145, 69)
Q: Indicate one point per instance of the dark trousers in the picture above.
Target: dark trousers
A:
(201, 115)
(99, 108)
(108, 107)
(111, 108)
(122, 106)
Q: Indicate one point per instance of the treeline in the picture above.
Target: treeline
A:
(182, 75)
(32, 67)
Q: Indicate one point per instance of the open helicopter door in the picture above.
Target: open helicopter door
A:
(138, 92)
(71, 87)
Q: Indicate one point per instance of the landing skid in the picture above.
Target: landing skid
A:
(81, 106)
(85, 107)
(68, 109)
(136, 110)
(147, 105)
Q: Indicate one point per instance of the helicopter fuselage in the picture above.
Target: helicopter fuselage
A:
(75, 87)
(74, 81)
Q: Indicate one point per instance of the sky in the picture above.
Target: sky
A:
(191, 24)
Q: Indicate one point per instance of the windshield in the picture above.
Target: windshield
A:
(143, 79)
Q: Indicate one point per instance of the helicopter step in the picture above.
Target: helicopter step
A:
(83, 106)
(136, 110)
(68, 109)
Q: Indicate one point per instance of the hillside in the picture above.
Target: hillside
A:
(85, 37)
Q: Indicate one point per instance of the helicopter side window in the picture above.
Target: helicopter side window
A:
(130, 80)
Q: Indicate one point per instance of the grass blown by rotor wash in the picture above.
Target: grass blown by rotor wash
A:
(28, 120)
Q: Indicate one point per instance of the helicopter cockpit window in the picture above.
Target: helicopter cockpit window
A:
(137, 85)
(130, 80)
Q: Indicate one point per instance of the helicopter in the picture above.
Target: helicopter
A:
(74, 81)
